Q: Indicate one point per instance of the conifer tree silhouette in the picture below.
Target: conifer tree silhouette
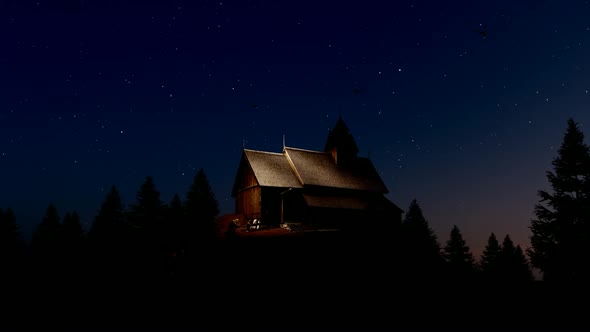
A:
(561, 231)
(72, 229)
(489, 261)
(201, 208)
(513, 265)
(175, 210)
(107, 235)
(175, 218)
(67, 218)
(71, 237)
(147, 218)
(11, 244)
(148, 209)
(522, 268)
(175, 233)
(507, 258)
(9, 233)
(46, 243)
(460, 261)
(420, 248)
(110, 220)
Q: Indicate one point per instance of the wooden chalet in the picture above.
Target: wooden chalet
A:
(330, 189)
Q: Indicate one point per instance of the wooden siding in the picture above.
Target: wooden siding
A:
(248, 193)
(246, 178)
(248, 202)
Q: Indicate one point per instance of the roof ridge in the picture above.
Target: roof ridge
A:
(293, 168)
(266, 152)
(306, 150)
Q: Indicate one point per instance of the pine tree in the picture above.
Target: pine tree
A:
(522, 268)
(175, 234)
(175, 207)
(175, 216)
(201, 208)
(512, 263)
(11, 244)
(71, 237)
(489, 259)
(108, 236)
(72, 231)
(147, 217)
(506, 260)
(460, 261)
(46, 235)
(109, 223)
(148, 208)
(420, 247)
(46, 242)
(561, 230)
(10, 238)
(147, 214)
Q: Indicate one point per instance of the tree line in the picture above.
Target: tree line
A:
(421, 253)
(162, 240)
(150, 238)
(560, 229)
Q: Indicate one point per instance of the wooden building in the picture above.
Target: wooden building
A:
(334, 188)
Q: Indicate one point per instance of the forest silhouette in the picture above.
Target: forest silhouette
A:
(156, 265)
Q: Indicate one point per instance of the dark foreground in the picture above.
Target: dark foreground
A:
(294, 308)
(272, 286)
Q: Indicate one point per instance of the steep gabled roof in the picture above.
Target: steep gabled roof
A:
(272, 169)
(296, 168)
(319, 169)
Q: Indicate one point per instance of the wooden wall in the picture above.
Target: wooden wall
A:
(248, 201)
(248, 196)
(246, 178)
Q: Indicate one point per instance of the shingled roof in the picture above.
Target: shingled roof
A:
(296, 168)
(272, 169)
(319, 169)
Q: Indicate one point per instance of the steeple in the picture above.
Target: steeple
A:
(341, 144)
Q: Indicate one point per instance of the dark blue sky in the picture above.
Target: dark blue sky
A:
(95, 93)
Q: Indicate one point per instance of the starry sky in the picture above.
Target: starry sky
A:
(459, 104)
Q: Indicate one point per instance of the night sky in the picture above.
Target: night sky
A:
(460, 104)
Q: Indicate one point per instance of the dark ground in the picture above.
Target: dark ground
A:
(293, 307)
(249, 287)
